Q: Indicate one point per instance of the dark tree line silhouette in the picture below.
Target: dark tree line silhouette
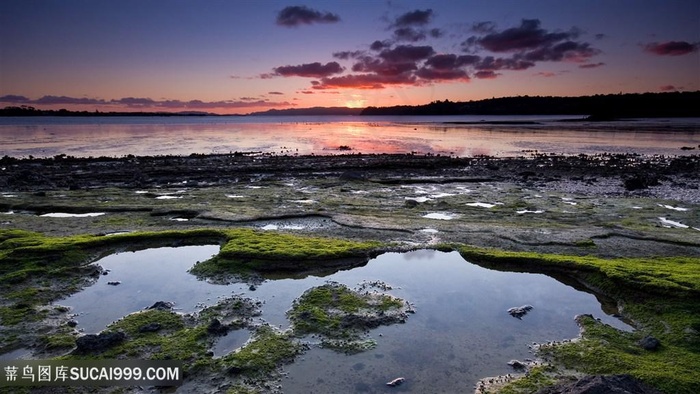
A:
(611, 106)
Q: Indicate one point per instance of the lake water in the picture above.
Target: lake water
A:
(120, 136)
(461, 330)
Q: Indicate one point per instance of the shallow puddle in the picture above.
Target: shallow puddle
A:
(461, 330)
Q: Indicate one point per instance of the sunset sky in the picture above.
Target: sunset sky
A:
(245, 56)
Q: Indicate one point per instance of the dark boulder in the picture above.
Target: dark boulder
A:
(216, 328)
(641, 181)
(649, 343)
(519, 311)
(162, 306)
(93, 343)
(151, 327)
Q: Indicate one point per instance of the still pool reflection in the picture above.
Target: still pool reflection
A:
(460, 333)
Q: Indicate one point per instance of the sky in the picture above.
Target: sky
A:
(237, 57)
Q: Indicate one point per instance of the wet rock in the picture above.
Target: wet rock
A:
(71, 323)
(641, 181)
(352, 176)
(151, 327)
(162, 305)
(114, 283)
(216, 328)
(613, 384)
(396, 382)
(98, 342)
(519, 311)
(649, 343)
(234, 370)
(517, 365)
(410, 203)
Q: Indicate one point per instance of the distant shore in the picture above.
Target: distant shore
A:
(597, 107)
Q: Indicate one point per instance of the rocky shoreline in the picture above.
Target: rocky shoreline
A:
(603, 205)
(634, 172)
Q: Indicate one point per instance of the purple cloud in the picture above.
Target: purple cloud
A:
(294, 16)
(591, 65)
(406, 53)
(311, 70)
(51, 100)
(671, 48)
(414, 18)
(528, 35)
(408, 34)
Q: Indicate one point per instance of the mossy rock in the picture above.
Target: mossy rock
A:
(338, 312)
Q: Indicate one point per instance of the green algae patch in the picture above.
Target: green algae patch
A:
(661, 295)
(537, 377)
(678, 275)
(264, 353)
(248, 251)
(342, 315)
(671, 368)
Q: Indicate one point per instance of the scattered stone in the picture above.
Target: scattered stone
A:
(252, 287)
(649, 343)
(162, 306)
(396, 382)
(520, 311)
(98, 342)
(614, 384)
(151, 327)
(114, 283)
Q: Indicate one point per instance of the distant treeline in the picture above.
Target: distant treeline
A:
(610, 106)
(26, 110)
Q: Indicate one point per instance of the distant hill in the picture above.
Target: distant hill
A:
(598, 107)
(314, 111)
(31, 111)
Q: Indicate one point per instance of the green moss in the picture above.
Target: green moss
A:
(174, 340)
(536, 379)
(337, 312)
(58, 341)
(264, 353)
(605, 350)
(247, 251)
(585, 243)
(18, 313)
(661, 275)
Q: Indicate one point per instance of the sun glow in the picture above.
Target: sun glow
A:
(356, 102)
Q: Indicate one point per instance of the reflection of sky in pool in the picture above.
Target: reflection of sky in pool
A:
(461, 330)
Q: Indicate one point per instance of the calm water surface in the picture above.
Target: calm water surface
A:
(460, 333)
(110, 136)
